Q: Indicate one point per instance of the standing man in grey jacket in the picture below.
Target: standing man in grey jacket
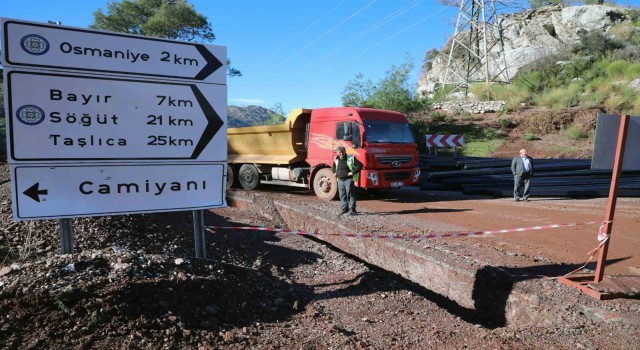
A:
(522, 170)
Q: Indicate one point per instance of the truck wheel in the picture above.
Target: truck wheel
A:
(325, 185)
(248, 177)
(231, 177)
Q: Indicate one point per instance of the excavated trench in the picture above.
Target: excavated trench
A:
(470, 288)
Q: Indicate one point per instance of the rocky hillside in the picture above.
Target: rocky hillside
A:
(247, 116)
(529, 36)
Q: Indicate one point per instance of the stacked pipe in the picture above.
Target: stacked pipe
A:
(553, 177)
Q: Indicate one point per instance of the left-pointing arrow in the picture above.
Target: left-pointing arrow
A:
(34, 193)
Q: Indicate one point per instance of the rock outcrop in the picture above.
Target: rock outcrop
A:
(247, 116)
(531, 35)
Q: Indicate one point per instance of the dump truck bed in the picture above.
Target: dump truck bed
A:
(270, 144)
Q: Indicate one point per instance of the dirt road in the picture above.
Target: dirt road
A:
(561, 245)
(132, 283)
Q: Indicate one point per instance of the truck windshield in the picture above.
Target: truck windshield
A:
(382, 131)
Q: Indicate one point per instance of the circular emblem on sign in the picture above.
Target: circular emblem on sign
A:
(30, 114)
(34, 44)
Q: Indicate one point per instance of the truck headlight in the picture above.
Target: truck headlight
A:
(373, 176)
(416, 175)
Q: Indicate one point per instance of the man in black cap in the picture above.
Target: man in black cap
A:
(347, 170)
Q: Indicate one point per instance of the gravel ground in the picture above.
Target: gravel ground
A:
(132, 284)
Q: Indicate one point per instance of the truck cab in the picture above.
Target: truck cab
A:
(381, 140)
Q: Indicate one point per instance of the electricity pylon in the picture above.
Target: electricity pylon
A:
(476, 53)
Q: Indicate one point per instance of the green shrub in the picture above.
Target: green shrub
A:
(596, 43)
(615, 103)
(577, 68)
(635, 106)
(622, 31)
(440, 94)
(632, 71)
(419, 128)
(491, 134)
(531, 137)
(575, 133)
(438, 117)
(629, 53)
(593, 99)
(507, 123)
(560, 98)
(617, 68)
(490, 92)
(514, 94)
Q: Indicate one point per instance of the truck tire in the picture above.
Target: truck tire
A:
(248, 177)
(325, 184)
(232, 179)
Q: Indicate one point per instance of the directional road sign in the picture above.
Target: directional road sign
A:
(47, 192)
(447, 140)
(57, 47)
(59, 117)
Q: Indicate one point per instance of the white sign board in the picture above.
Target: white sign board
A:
(61, 117)
(48, 46)
(44, 192)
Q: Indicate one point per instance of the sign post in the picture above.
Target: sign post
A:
(66, 236)
(198, 234)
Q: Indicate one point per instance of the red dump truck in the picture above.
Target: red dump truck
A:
(300, 152)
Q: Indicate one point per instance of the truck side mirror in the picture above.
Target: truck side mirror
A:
(347, 132)
(355, 135)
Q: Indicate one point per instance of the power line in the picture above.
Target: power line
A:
(307, 28)
(367, 31)
(390, 36)
(323, 35)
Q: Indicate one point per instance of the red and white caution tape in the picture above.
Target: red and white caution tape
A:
(393, 236)
(602, 234)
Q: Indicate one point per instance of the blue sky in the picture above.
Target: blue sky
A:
(298, 53)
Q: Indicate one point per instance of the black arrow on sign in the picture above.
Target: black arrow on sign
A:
(213, 63)
(215, 122)
(33, 192)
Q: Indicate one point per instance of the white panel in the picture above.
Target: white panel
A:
(47, 192)
(58, 117)
(48, 46)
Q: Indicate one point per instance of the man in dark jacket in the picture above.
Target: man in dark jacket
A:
(347, 170)
(522, 170)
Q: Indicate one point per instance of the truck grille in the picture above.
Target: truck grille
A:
(396, 176)
(398, 159)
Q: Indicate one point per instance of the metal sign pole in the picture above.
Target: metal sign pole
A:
(66, 236)
(585, 282)
(198, 234)
(613, 195)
